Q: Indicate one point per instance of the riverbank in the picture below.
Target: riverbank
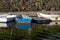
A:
(32, 13)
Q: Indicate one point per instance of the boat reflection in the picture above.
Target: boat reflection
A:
(54, 23)
(46, 25)
(10, 24)
(23, 26)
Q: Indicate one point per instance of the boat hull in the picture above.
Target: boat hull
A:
(23, 26)
(52, 17)
(46, 15)
(6, 18)
(3, 20)
(5, 25)
(24, 21)
(45, 21)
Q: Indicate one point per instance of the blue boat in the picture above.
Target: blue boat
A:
(23, 19)
(23, 26)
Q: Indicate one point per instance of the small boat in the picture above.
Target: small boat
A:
(40, 20)
(5, 25)
(48, 16)
(23, 26)
(7, 18)
(23, 19)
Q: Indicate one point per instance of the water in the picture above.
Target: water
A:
(33, 31)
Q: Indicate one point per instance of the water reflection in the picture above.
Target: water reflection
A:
(7, 24)
(26, 26)
(54, 23)
(34, 31)
(23, 26)
(29, 26)
(50, 24)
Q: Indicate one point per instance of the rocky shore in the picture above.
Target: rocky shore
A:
(29, 5)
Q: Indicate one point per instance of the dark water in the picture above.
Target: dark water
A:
(33, 31)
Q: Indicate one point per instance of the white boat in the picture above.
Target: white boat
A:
(6, 18)
(49, 16)
(10, 24)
